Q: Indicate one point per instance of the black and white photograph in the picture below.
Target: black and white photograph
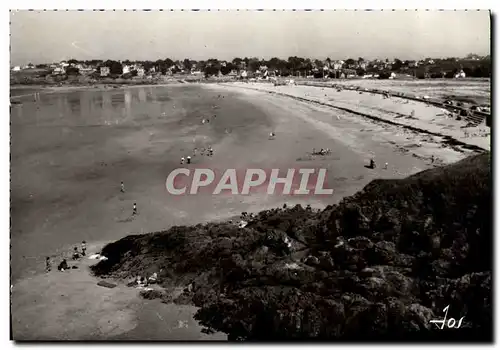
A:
(223, 175)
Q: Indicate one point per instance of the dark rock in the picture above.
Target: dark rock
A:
(378, 265)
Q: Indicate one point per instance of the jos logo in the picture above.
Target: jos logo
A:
(450, 323)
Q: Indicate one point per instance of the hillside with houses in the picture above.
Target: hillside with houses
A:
(472, 66)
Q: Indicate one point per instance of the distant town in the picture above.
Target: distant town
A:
(473, 66)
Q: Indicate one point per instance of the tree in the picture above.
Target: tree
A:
(350, 62)
(168, 62)
(148, 65)
(115, 67)
(253, 64)
(319, 64)
(226, 69)
(295, 63)
(361, 60)
(214, 62)
(276, 64)
(397, 64)
(201, 65)
(211, 70)
(237, 62)
(187, 64)
(360, 72)
(73, 61)
(307, 66)
(72, 71)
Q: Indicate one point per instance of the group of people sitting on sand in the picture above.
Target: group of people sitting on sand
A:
(63, 265)
(322, 151)
(203, 151)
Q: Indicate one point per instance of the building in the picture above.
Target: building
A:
(126, 69)
(104, 71)
(58, 71)
(16, 68)
(460, 74)
(140, 72)
(338, 65)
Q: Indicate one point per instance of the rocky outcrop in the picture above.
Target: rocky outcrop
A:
(379, 265)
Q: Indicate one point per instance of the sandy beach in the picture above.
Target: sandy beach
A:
(72, 148)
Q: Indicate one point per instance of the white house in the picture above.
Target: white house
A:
(337, 65)
(104, 71)
(140, 72)
(58, 71)
(16, 68)
(126, 69)
(460, 74)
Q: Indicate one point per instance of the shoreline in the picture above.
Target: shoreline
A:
(419, 126)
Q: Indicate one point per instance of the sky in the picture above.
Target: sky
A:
(52, 36)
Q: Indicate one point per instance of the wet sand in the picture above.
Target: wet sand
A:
(71, 150)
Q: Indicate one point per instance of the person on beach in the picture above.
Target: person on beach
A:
(48, 266)
(63, 265)
(76, 255)
(188, 159)
(372, 164)
(84, 248)
(182, 160)
(134, 210)
(386, 165)
(122, 187)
